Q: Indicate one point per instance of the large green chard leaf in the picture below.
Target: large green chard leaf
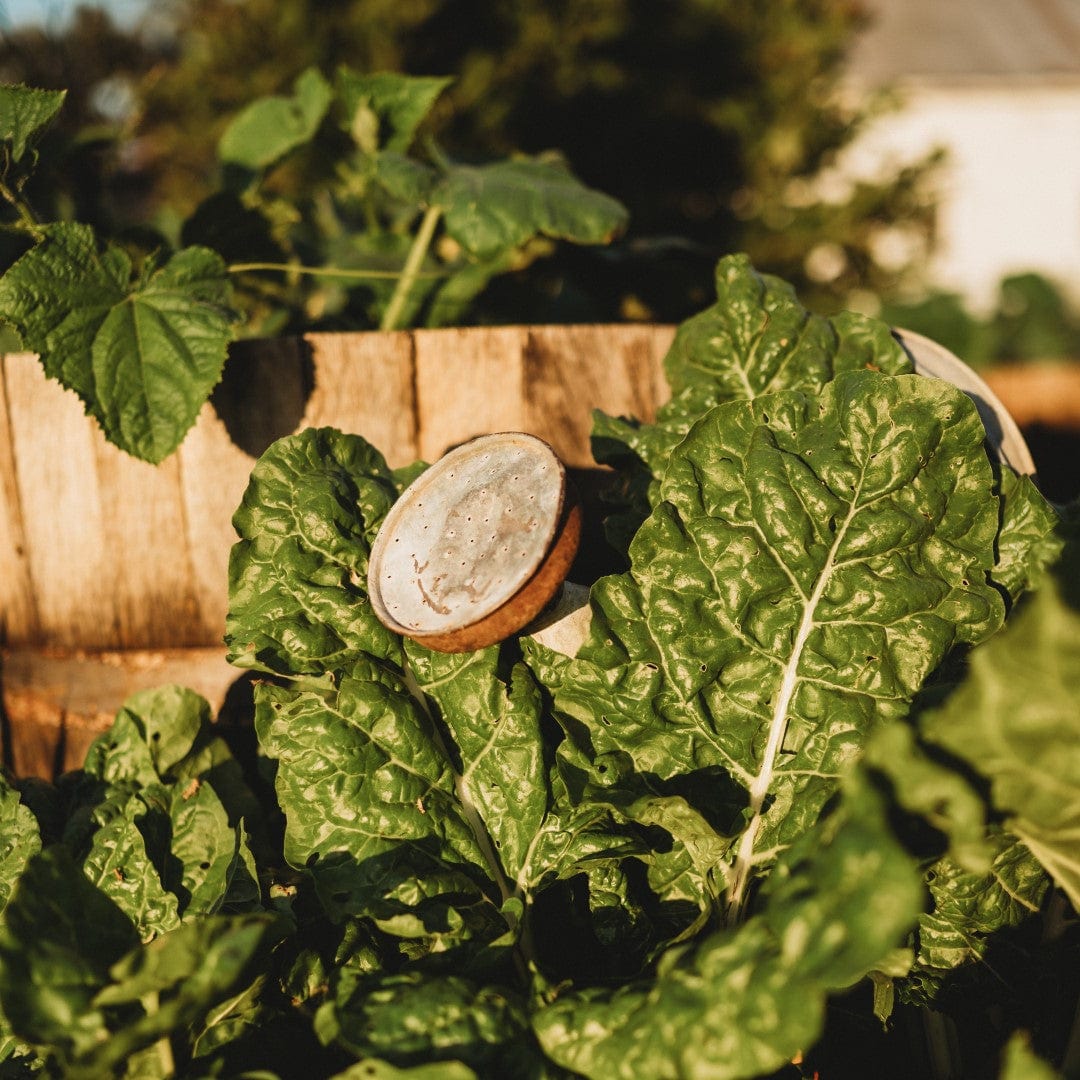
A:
(812, 562)
(756, 339)
(370, 801)
(20, 838)
(58, 938)
(118, 864)
(493, 208)
(969, 908)
(1014, 720)
(267, 129)
(415, 1020)
(506, 781)
(142, 351)
(160, 815)
(298, 575)
(744, 1002)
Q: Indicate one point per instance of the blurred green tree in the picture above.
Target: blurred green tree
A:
(717, 122)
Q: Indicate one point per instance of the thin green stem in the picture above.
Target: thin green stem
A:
(327, 271)
(411, 271)
(27, 222)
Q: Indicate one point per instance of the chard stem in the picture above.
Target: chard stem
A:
(150, 1003)
(743, 866)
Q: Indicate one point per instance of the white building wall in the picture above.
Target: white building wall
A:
(1010, 193)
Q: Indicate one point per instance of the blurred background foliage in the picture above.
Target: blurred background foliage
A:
(717, 123)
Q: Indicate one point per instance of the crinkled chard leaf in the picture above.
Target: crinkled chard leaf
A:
(1028, 541)
(298, 575)
(968, 909)
(744, 1002)
(371, 806)
(142, 350)
(58, 939)
(20, 839)
(505, 772)
(812, 562)
(756, 339)
(1014, 720)
(498, 207)
(414, 1020)
(118, 864)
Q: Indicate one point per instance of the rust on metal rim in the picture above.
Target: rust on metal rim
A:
(477, 545)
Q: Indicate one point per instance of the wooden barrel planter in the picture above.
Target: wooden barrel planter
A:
(113, 572)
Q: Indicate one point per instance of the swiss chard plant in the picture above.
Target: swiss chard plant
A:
(329, 213)
(813, 774)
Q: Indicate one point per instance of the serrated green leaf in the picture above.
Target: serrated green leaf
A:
(494, 208)
(143, 354)
(58, 938)
(1015, 721)
(383, 110)
(298, 600)
(743, 1003)
(813, 561)
(404, 178)
(25, 112)
(269, 128)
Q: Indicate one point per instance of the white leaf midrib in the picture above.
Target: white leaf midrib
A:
(759, 787)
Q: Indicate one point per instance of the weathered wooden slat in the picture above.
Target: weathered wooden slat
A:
(56, 702)
(365, 383)
(18, 606)
(102, 552)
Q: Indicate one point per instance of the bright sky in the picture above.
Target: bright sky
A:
(57, 12)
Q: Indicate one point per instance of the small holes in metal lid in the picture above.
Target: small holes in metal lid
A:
(470, 542)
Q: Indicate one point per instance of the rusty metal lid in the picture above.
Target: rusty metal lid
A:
(477, 545)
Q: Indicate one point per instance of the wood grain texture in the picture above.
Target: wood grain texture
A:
(18, 606)
(102, 551)
(103, 556)
(56, 702)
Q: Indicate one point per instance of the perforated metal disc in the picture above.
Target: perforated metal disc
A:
(467, 536)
